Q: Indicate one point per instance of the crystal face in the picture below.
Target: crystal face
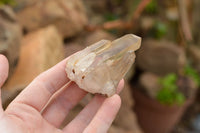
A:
(99, 67)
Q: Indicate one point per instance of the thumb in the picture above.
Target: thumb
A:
(3, 74)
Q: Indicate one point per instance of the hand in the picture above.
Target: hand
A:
(43, 105)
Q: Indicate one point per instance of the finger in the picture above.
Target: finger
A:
(40, 90)
(3, 74)
(61, 104)
(86, 115)
(105, 115)
(3, 69)
(120, 86)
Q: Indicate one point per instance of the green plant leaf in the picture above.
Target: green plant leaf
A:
(169, 93)
(191, 72)
(169, 81)
(165, 97)
(179, 98)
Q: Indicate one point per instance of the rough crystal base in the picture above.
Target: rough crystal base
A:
(99, 67)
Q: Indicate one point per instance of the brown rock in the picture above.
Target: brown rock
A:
(20, 4)
(150, 83)
(97, 5)
(115, 129)
(8, 96)
(130, 73)
(67, 15)
(172, 13)
(126, 121)
(126, 118)
(147, 22)
(39, 51)
(10, 36)
(160, 57)
(95, 9)
(72, 48)
(126, 96)
(85, 39)
(97, 36)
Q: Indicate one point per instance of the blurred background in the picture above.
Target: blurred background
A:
(161, 93)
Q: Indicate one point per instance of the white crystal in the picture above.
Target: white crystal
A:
(99, 67)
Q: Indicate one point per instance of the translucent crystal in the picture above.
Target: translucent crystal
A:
(99, 67)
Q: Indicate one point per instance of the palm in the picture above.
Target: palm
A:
(23, 124)
(43, 105)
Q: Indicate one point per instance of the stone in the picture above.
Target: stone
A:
(115, 129)
(95, 9)
(96, 5)
(40, 50)
(99, 67)
(127, 119)
(10, 36)
(67, 15)
(71, 48)
(21, 4)
(85, 39)
(8, 96)
(98, 35)
(160, 57)
(172, 13)
(147, 22)
(150, 83)
(126, 96)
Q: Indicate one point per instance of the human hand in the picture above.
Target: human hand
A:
(43, 105)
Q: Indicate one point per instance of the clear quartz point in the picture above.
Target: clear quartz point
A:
(99, 67)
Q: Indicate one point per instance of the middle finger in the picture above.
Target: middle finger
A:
(60, 105)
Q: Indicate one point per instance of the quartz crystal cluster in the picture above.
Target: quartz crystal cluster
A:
(99, 67)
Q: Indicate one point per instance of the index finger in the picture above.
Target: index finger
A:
(40, 90)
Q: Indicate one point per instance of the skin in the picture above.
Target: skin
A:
(43, 105)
